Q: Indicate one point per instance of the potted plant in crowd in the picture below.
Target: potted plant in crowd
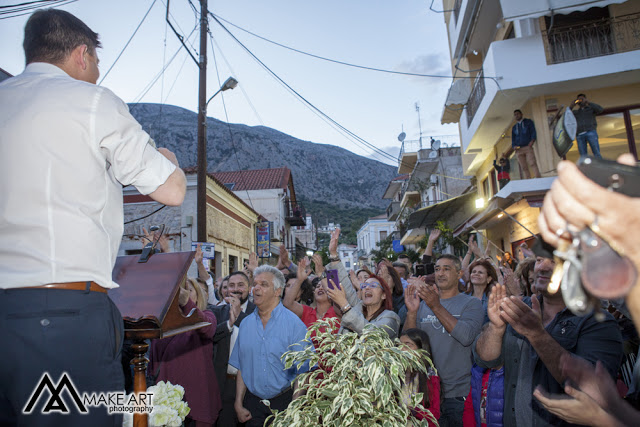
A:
(358, 381)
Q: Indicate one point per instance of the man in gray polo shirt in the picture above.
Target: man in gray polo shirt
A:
(452, 320)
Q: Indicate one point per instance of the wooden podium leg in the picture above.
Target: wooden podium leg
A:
(139, 363)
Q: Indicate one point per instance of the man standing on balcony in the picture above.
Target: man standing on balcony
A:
(587, 124)
(523, 136)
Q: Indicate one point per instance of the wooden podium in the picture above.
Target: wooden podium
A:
(148, 301)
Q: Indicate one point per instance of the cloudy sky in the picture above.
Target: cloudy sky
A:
(401, 35)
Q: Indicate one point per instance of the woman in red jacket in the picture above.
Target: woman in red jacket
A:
(418, 382)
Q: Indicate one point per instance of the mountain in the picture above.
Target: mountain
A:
(323, 173)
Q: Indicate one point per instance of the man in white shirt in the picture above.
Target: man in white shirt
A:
(67, 148)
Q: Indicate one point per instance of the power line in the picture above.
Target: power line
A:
(224, 105)
(127, 44)
(241, 87)
(335, 61)
(356, 138)
(14, 13)
(146, 216)
(138, 98)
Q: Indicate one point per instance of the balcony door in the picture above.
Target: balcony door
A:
(618, 133)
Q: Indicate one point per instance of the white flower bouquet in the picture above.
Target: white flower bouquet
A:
(168, 407)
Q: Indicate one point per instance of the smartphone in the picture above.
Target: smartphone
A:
(332, 276)
(420, 270)
(623, 179)
(430, 268)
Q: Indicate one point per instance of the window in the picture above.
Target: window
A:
(347, 264)
(618, 133)
(383, 235)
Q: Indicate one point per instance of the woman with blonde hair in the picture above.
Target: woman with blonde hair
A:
(187, 359)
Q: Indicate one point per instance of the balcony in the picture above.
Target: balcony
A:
(521, 73)
(591, 40)
(477, 93)
(295, 213)
(393, 210)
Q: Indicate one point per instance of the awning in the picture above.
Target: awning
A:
(412, 237)
(457, 98)
(429, 215)
(517, 10)
(532, 190)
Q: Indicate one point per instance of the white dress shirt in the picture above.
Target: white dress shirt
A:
(67, 148)
(232, 370)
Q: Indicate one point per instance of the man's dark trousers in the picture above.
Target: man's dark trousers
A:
(57, 331)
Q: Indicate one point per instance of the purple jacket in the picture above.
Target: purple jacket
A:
(495, 395)
(187, 359)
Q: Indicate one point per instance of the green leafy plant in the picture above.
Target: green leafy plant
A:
(358, 381)
(446, 239)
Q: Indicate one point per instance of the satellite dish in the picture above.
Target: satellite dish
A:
(402, 136)
(433, 154)
(435, 145)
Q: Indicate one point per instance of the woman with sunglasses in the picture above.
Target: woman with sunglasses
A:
(376, 307)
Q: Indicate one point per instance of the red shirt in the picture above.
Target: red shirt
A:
(434, 400)
(310, 316)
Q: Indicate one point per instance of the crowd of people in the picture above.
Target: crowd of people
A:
(491, 328)
(506, 349)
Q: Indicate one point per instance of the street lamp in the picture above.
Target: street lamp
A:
(230, 83)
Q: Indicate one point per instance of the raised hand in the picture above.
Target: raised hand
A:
(146, 238)
(411, 299)
(183, 297)
(498, 293)
(303, 274)
(430, 295)
(253, 262)
(199, 255)
(524, 320)
(336, 294)
(333, 243)
(317, 263)
(434, 234)
(234, 308)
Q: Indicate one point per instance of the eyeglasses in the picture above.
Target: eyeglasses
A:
(366, 285)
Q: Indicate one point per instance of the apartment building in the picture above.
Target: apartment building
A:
(428, 189)
(536, 56)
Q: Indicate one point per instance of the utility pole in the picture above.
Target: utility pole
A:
(419, 123)
(202, 126)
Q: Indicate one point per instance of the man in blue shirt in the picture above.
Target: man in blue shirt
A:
(264, 336)
(523, 136)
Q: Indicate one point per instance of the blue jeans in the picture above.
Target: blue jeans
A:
(451, 411)
(591, 137)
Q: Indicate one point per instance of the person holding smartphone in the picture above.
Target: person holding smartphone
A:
(586, 117)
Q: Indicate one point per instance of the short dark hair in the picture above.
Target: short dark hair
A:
(581, 94)
(51, 34)
(239, 273)
(456, 261)
(517, 111)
